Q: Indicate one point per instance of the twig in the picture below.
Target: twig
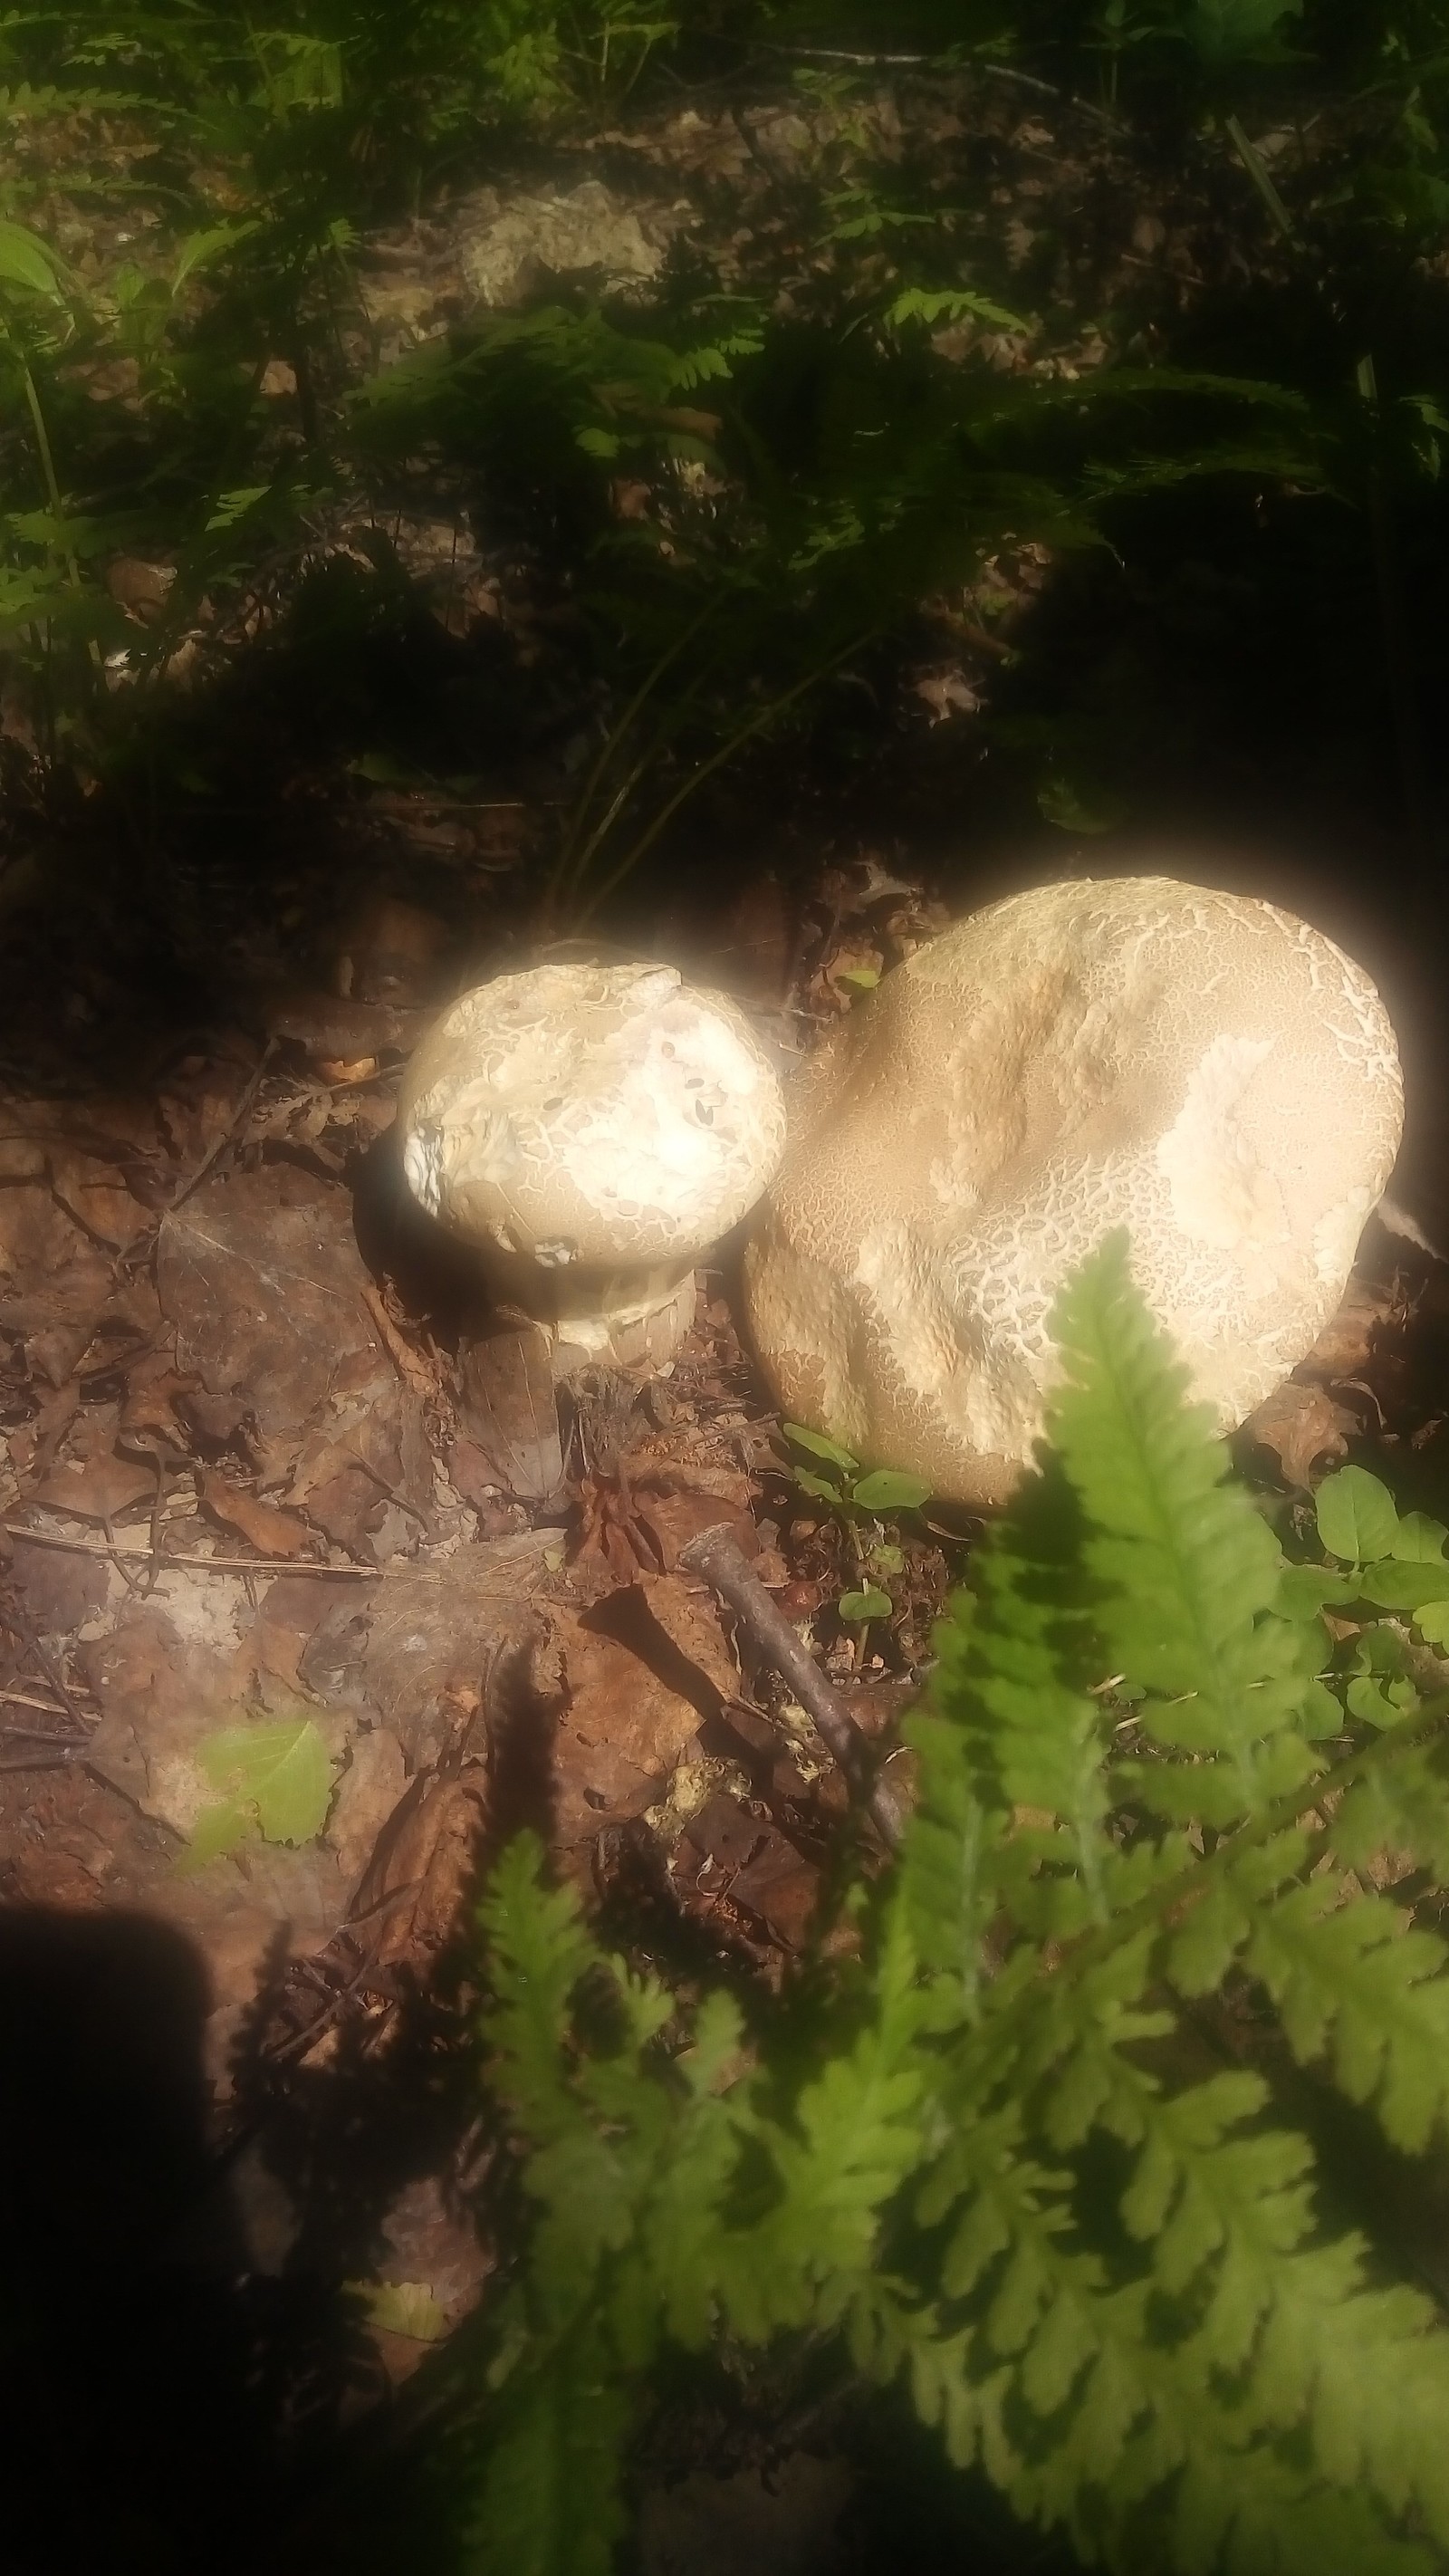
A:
(716, 1556)
(27, 1699)
(192, 1564)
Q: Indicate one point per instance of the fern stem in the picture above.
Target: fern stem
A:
(656, 744)
(566, 872)
(716, 760)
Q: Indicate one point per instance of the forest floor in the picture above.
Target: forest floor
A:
(267, 1462)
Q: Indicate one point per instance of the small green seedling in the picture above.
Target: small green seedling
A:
(883, 1490)
(275, 1780)
(865, 1605)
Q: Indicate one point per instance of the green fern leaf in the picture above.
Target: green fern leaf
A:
(1188, 1572)
(1356, 1981)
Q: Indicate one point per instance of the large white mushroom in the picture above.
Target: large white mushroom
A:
(1202, 1068)
(592, 1130)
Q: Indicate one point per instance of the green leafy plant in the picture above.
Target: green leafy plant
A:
(1017, 2164)
(845, 1489)
(275, 1780)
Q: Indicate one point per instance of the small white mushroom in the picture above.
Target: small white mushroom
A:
(592, 1130)
(1202, 1068)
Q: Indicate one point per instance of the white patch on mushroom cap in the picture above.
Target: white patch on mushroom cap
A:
(613, 1110)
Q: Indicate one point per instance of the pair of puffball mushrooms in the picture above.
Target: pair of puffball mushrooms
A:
(1201, 1067)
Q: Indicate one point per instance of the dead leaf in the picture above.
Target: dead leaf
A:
(424, 1864)
(199, 1105)
(33, 1444)
(390, 953)
(722, 1836)
(780, 1888)
(1304, 1429)
(430, 2240)
(269, 1531)
(90, 1191)
(342, 1031)
(293, 1609)
(248, 1916)
(141, 588)
(507, 1409)
(97, 1490)
(632, 1708)
(674, 1515)
(686, 1615)
(60, 1592)
(367, 1793)
(261, 1276)
(369, 1450)
(410, 1651)
(216, 1420)
(55, 1278)
(158, 1697)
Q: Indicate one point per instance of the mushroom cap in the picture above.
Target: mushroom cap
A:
(603, 1116)
(1202, 1068)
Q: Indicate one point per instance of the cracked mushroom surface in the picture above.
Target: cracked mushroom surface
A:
(592, 1130)
(1202, 1068)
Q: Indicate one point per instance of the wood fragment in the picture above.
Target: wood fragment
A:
(716, 1556)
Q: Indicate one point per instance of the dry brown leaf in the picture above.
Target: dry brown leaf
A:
(1303, 1427)
(141, 588)
(261, 1276)
(292, 1610)
(673, 1516)
(410, 1651)
(631, 1710)
(391, 952)
(158, 1697)
(507, 1410)
(198, 1107)
(369, 1451)
(412, 1893)
(91, 1191)
(98, 1489)
(780, 1888)
(60, 1592)
(686, 1614)
(367, 1794)
(270, 1531)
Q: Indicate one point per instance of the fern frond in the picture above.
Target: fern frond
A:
(548, 2500)
(1352, 1979)
(1188, 1572)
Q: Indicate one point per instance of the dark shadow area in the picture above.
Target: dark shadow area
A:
(179, 2361)
(135, 2433)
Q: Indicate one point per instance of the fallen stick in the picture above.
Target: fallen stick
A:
(716, 1556)
(191, 1564)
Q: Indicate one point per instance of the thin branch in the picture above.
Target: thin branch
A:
(715, 1554)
